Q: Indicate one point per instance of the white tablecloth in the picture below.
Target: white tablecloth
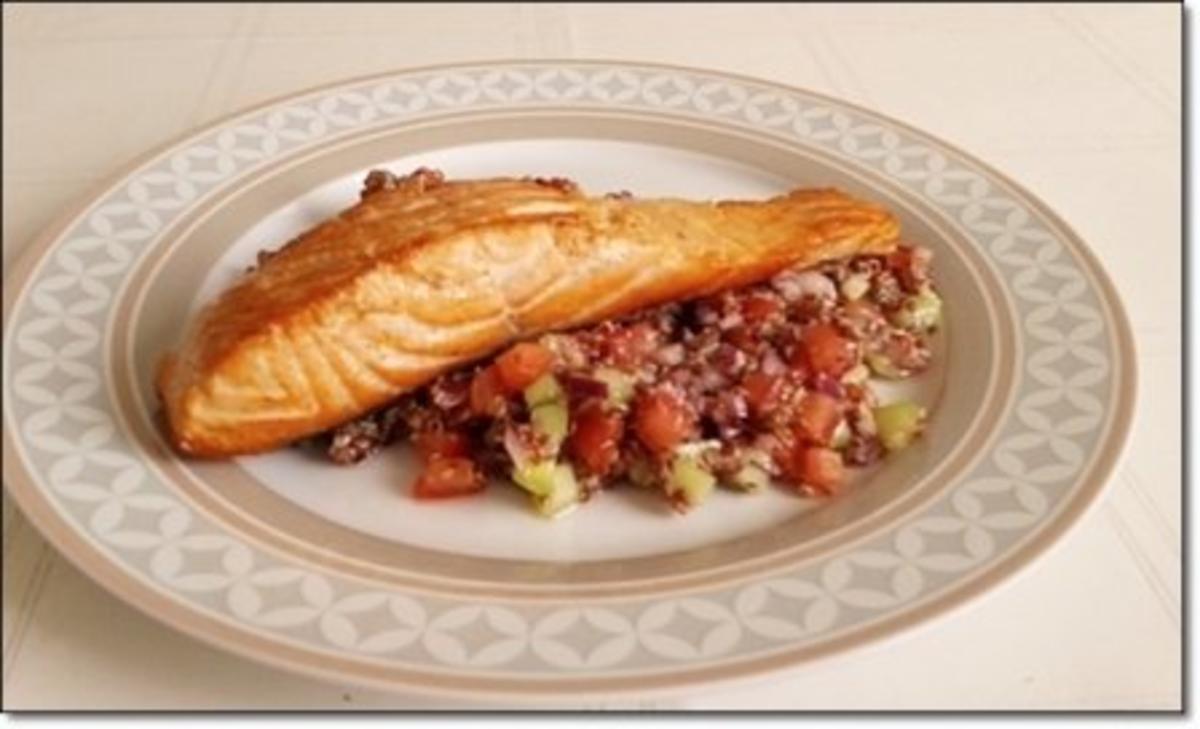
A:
(1081, 103)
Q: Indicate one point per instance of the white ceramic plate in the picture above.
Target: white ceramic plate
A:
(338, 572)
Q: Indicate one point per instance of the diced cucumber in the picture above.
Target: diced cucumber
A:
(536, 478)
(921, 313)
(551, 420)
(883, 366)
(690, 482)
(544, 390)
(857, 375)
(750, 477)
(855, 286)
(898, 423)
(548, 413)
(620, 386)
(552, 486)
(564, 493)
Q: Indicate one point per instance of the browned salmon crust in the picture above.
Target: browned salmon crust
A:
(426, 274)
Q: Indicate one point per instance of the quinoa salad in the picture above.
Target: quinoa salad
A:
(765, 384)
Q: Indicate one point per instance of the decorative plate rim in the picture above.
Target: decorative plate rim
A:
(23, 485)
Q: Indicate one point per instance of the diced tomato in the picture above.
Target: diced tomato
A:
(630, 346)
(899, 259)
(433, 444)
(817, 418)
(818, 468)
(487, 393)
(448, 476)
(822, 468)
(522, 364)
(744, 338)
(759, 308)
(662, 421)
(781, 446)
(798, 366)
(595, 438)
(762, 391)
(910, 266)
(827, 351)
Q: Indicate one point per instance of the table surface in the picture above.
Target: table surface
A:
(1081, 103)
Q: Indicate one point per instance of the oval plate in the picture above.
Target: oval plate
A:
(338, 573)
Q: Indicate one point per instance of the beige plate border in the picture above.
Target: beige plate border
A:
(324, 664)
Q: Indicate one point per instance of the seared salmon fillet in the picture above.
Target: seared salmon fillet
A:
(425, 274)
